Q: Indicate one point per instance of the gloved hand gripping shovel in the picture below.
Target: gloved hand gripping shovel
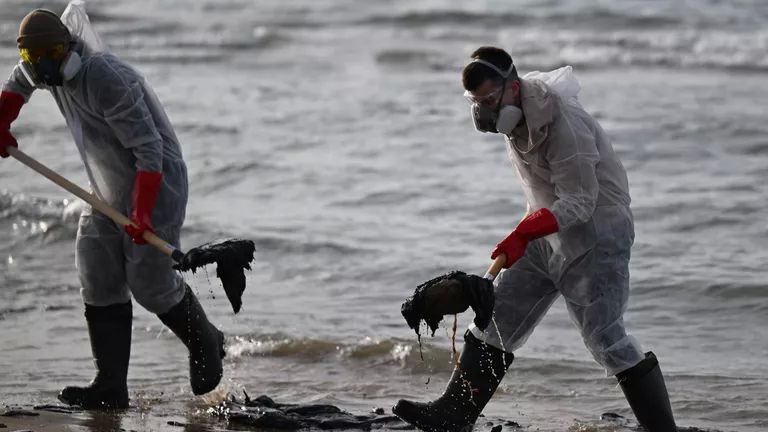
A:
(232, 256)
(453, 293)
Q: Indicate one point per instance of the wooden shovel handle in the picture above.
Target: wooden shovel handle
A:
(104, 208)
(496, 267)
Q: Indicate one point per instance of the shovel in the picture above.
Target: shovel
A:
(232, 256)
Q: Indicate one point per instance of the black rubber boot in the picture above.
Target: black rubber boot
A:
(109, 328)
(204, 341)
(643, 386)
(471, 386)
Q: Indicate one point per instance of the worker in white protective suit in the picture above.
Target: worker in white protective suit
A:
(575, 241)
(134, 163)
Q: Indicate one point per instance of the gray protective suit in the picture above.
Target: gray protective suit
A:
(120, 127)
(566, 163)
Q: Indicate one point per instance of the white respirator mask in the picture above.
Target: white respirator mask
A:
(502, 119)
(70, 66)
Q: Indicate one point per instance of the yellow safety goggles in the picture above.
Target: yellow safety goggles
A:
(33, 56)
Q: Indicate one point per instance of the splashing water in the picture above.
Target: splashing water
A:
(498, 333)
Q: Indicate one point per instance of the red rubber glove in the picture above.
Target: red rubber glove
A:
(536, 225)
(146, 186)
(10, 105)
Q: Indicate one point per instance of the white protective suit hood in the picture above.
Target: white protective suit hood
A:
(79, 25)
(537, 100)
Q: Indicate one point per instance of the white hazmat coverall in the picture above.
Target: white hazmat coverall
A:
(566, 164)
(120, 127)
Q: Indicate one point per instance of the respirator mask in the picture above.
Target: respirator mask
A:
(501, 119)
(50, 66)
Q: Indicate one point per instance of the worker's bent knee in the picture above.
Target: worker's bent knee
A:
(156, 297)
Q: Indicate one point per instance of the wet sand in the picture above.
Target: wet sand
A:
(27, 419)
(39, 420)
(47, 419)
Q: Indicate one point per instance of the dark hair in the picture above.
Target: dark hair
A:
(474, 74)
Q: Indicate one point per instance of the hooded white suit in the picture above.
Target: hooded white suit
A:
(119, 127)
(566, 164)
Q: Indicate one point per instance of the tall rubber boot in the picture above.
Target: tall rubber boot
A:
(109, 328)
(204, 341)
(471, 386)
(643, 386)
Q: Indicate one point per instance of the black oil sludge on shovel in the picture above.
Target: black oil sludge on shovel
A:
(451, 294)
(232, 256)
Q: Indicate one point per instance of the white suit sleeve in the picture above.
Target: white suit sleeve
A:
(19, 83)
(119, 96)
(572, 156)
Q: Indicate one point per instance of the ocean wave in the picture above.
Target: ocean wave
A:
(205, 129)
(588, 17)
(280, 346)
(597, 17)
(546, 36)
(5, 312)
(185, 38)
(161, 56)
(46, 291)
(411, 59)
(394, 351)
(40, 218)
(583, 14)
(422, 18)
(179, 37)
(228, 175)
(12, 312)
(281, 246)
(245, 39)
(552, 39)
(379, 198)
(683, 48)
(732, 291)
(403, 354)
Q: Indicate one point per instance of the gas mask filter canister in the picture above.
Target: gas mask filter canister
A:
(503, 119)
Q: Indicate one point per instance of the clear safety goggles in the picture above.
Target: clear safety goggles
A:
(32, 56)
(490, 98)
